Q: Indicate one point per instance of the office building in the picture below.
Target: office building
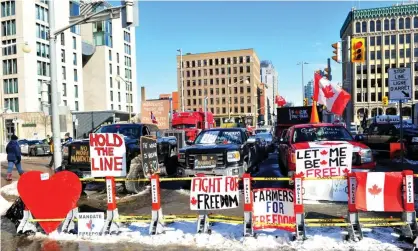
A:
(269, 77)
(308, 91)
(221, 75)
(390, 34)
(25, 73)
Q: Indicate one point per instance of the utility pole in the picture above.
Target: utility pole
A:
(229, 94)
(182, 81)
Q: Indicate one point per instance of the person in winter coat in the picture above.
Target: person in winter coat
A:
(14, 157)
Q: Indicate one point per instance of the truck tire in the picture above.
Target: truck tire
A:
(171, 165)
(135, 172)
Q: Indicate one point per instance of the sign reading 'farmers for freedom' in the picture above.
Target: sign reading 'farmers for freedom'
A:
(273, 206)
(107, 155)
(400, 87)
(213, 193)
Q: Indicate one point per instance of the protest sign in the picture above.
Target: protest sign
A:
(149, 155)
(325, 160)
(107, 155)
(90, 224)
(272, 207)
(214, 193)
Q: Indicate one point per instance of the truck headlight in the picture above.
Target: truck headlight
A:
(414, 140)
(233, 156)
(366, 155)
(65, 151)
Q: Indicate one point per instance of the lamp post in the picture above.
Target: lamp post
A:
(229, 94)
(25, 48)
(181, 77)
(303, 85)
(119, 78)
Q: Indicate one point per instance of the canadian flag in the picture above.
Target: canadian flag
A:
(379, 191)
(330, 95)
(280, 101)
(153, 118)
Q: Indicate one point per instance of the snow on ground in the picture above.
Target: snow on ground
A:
(229, 236)
(4, 205)
(10, 189)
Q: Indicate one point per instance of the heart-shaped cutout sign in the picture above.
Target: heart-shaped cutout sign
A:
(49, 197)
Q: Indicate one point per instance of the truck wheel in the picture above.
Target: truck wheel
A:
(135, 172)
(171, 165)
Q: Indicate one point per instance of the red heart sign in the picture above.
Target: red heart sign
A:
(49, 198)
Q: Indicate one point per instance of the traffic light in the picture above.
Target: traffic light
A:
(385, 101)
(327, 71)
(337, 52)
(305, 102)
(358, 50)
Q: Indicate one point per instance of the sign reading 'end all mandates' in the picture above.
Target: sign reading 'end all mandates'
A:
(107, 155)
(400, 86)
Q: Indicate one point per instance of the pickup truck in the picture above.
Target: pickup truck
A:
(76, 155)
(217, 152)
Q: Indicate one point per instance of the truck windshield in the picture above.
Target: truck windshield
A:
(127, 131)
(219, 137)
(184, 126)
(324, 133)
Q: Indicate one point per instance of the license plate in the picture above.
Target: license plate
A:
(206, 161)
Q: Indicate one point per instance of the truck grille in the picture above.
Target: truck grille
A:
(191, 158)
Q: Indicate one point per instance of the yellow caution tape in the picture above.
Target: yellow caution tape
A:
(327, 224)
(271, 178)
(225, 221)
(384, 224)
(378, 219)
(175, 179)
(44, 220)
(325, 220)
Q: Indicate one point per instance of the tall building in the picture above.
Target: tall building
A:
(24, 73)
(109, 67)
(269, 77)
(217, 76)
(391, 39)
(308, 90)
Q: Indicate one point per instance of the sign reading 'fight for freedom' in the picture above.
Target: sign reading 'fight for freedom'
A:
(400, 87)
(214, 193)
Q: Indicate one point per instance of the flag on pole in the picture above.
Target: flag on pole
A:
(153, 119)
(314, 113)
(280, 101)
(330, 95)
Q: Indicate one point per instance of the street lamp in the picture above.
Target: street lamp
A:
(303, 86)
(119, 78)
(25, 48)
(181, 77)
(229, 94)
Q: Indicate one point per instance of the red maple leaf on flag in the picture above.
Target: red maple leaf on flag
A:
(375, 190)
(193, 201)
(301, 174)
(346, 171)
(328, 93)
(324, 152)
(323, 162)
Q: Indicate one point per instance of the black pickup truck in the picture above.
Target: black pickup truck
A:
(76, 155)
(217, 152)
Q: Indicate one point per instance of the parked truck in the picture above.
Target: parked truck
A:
(192, 123)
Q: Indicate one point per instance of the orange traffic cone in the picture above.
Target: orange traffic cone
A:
(314, 113)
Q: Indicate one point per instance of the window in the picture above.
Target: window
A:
(76, 105)
(401, 23)
(415, 22)
(401, 38)
(117, 57)
(408, 38)
(386, 24)
(119, 98)
(358, 27)
(387, 40)
(74, 58)
(74, 43)
(387, 54)
(111, 95)
(12, 104)
(364, 26)
(408, 53)
(393, 53)
(248, 59)
(248, 69)
(392, 24)
(62, 54)
(127, 48)
(75, 75)
(41, 13)
(64, 90)
(401, 53)
(372, 55)
(41, 31)
(378, 40)
(371, 28)
(43, 68)
(127, 36)
(393, 39)
(9, 66)
(10, 86)
(111, 82)
(111, 106)
(8, 8)
(372, 41)
(407, 23)
(8, 27)
(64, 73)
(118, 70)
(11, 49)
(76, 91)
(62, 39)
(378, 25)
(110, 68)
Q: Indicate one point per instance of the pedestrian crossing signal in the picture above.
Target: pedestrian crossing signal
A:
(358, 50)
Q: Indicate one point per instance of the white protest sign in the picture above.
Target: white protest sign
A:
(327, 159)
(90, 224)
(214, 193)
(273, 206)
(107, 155)
(400, 86)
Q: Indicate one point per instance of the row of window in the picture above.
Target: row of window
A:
(212, 81)
(119, 97)
(63, 57)
(127, 36)
(42, 31)
(12, 104)
(378, 68)
(64, 74)
(9, 66)
(216, 71)
(8, 27)
(391, 54)
(128, 61)
(127, 49)
(10, 86)
(42, 50)
(41, 13)
(224, 109)
(120, 108)
(9, 50)
(218, 91)
(74, 39)
(374, 97)
(64, 90)
(76, 105)
(375, 26)
(216, 61)
(8, 8)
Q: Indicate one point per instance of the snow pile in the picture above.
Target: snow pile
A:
(10, 189)
(4, 205)
(3, 157)
(229, 236)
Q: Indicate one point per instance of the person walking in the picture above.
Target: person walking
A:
(14, 157)
(51, 149)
